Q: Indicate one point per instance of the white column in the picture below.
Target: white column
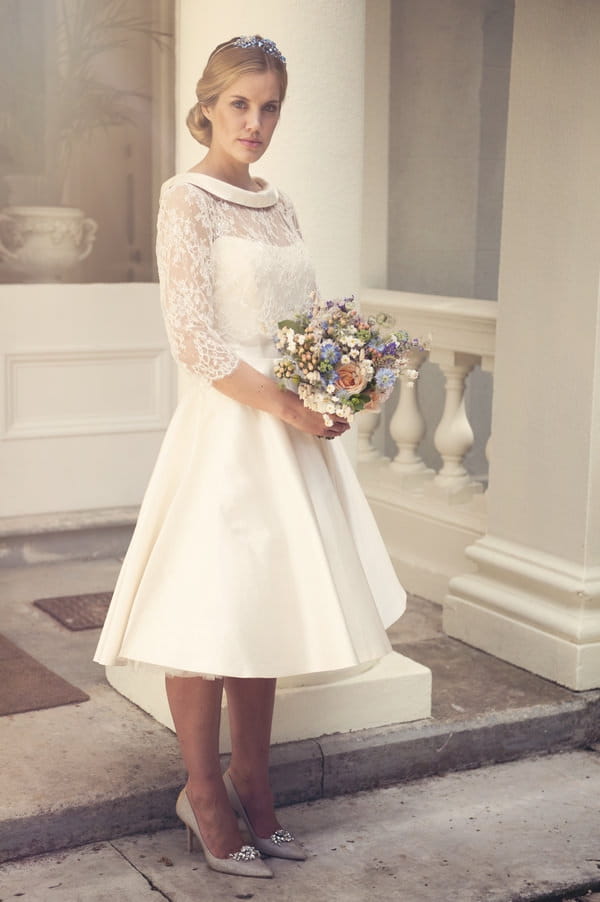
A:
(317, 157)
(535, 598)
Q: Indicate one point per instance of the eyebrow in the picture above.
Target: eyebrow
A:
(241, 97)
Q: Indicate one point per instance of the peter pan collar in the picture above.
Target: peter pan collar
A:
(266, 197)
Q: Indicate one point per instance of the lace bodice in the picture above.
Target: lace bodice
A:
(231, 265)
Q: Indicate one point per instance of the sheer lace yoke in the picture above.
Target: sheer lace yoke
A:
(230, 270)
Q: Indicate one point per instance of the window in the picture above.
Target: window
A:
(86, 137)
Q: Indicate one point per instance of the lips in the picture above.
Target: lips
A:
(249, 142)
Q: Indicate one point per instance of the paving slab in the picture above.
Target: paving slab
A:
(515, 832)
(88, 874)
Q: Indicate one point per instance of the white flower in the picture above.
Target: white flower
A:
(345, 358)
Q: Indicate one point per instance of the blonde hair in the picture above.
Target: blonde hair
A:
(225, 65)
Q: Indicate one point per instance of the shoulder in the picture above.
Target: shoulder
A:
(285, 200)
(177, 191)
(185, 207)
(288, 210)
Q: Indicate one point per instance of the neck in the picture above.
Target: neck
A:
(226, 171)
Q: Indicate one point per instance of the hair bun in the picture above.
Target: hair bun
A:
(199, 125)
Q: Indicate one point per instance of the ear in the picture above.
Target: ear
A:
(206, 112)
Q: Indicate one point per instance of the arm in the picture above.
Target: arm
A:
(185, 269)
(248, 386)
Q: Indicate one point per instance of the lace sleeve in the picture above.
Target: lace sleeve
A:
(185, 269)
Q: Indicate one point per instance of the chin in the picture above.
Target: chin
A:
(251, 156)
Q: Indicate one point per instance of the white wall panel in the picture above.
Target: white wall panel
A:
(86, 392)
(87, 386)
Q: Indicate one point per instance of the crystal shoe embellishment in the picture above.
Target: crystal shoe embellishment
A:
(281, 836)
(246, 853)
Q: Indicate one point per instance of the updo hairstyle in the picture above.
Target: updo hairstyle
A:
(225, 65)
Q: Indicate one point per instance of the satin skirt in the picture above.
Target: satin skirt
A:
(255, 553)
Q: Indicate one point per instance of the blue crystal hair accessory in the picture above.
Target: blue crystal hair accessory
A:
(263, 44)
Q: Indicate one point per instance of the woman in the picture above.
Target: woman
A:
(255, 554)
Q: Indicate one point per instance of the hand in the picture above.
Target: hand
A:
(312, 422)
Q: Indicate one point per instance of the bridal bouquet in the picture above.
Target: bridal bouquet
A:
(341, 361)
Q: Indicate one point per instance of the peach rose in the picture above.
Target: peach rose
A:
(377, 399)
(351, 378)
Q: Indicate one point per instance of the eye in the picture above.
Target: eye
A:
(238, 104)
(271, 108)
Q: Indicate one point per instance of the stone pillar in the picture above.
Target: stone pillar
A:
(317, 157)
(535, 598)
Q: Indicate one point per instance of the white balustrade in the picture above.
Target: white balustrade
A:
(427, 515)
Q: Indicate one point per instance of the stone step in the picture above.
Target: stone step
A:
(61, 537)
(139, 794)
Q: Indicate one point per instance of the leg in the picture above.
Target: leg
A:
(195, 705)
(250, 703)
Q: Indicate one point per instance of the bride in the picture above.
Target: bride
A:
(255, 555)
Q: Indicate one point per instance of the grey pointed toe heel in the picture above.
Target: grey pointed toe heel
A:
(246, 862)
(280, 844)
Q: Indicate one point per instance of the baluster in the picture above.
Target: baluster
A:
(454, 437)
(367, 424)
(407, 428)
(487, 365)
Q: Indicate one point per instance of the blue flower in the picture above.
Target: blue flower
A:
(330, 353)
(385, 378)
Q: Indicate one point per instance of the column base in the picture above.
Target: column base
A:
(394, 690)
(531, 609)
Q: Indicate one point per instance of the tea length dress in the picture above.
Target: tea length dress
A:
(255, 552)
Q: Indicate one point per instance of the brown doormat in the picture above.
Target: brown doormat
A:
(77, 612)
(26, 685)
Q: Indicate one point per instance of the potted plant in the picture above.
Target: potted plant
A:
(43, 121)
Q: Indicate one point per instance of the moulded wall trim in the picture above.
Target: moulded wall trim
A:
(154, 418)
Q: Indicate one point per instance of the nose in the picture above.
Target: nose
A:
(253, 120)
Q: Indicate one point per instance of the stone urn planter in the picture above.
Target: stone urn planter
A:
(40, 244)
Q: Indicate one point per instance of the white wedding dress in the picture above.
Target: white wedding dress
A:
(255, 552)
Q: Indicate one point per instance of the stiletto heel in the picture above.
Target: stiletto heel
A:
(244, 863)
(280, 844)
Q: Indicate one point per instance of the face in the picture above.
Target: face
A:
(244, 117)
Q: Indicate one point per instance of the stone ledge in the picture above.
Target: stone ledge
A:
(65, 536)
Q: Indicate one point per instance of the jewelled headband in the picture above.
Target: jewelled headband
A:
(263, 44)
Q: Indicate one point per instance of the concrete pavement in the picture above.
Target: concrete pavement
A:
(528, 830)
